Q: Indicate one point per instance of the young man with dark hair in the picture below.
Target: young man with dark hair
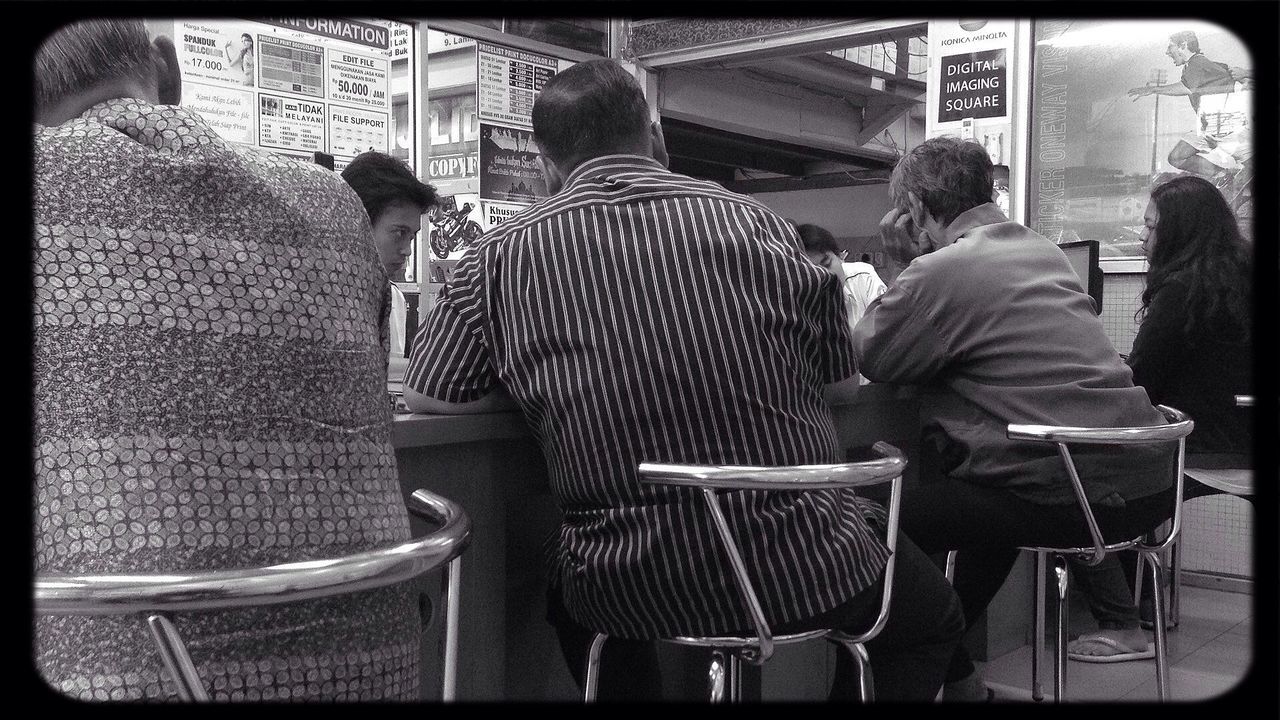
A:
(640, 315)
(395, 200)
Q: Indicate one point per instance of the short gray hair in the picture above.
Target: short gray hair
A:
(87, 52)
(948, 174)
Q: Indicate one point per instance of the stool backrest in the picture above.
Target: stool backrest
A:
(122, 594)
(1178, 427)
(711, 479)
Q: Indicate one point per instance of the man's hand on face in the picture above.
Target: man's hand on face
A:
(902, 241)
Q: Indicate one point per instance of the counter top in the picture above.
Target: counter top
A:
(421, 429)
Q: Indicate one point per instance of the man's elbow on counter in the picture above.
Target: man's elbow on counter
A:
(497, 400)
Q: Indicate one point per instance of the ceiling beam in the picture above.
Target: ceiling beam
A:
(875, 120)
(697, 168)
(845, 79)
(815, 182)
(847, 33)
(698, 140)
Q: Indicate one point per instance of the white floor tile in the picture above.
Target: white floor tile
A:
(1209, 653)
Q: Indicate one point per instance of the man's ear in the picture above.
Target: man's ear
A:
(168, 71)
(551, 173)
(658, 144)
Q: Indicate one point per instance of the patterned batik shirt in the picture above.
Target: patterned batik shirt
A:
(641, 315)
(209, 369)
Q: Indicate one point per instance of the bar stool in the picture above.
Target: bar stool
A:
(1177, 428)
(728, 652)
(1230, 481)
(158, 595)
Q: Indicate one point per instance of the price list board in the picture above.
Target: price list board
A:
(291, 66)
(293, 86)
(508, 81)
(358, 80)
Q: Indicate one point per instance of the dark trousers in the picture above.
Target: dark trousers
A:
(909, 657)
(987, 525)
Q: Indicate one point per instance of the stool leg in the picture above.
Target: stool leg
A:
(453, 591)
(592, 678)
(716, 675)
(1162, 657)
(1064, 612)
(176, 659)
(1175, 585)
(735, 678)
(866, 681)
(1137, 583)
(862, 666)
(1037, 642)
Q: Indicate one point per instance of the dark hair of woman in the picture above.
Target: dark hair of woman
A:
(1198, 244)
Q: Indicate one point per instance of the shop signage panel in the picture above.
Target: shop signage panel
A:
(353, 131)
(358, 79)
(291, 66)
(290, 123)
(509, 167)
(211, 51)
(292, 86)
(1103, 136)
(509, 81)
(353, 31)
(974, 85)
(496, 213)
(229, 111)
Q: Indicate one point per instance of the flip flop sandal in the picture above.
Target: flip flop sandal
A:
(1122, 654)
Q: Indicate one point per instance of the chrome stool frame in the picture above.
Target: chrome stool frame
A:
(158, 595)
(728, 653)
(1231, 481)
(1148, 548)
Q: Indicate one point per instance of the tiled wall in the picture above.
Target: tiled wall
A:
(1217, 531)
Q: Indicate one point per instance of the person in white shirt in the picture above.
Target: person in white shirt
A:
(859, 279)
(395, 200)
(862, 284)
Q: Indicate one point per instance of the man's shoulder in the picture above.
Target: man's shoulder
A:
(660, 187)
(969, 263)
(1200, 71)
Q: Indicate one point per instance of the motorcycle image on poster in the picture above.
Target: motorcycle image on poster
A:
(454, 228)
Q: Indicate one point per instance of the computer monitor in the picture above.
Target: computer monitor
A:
(1083, 256)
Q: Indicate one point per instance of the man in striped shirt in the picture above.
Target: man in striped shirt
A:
(640, 315)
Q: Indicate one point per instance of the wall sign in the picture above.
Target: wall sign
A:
(509, 167)
(974, 85)
(509, 82)
(1111, 118)
(292, 85)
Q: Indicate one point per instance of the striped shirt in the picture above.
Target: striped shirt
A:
(641, 315)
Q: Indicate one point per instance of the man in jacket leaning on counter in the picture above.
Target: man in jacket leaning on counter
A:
(641, 315)
(990, 319)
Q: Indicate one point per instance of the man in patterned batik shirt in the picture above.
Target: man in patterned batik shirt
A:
(209, 385)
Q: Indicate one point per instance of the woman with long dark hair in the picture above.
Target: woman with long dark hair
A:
(1193, 352)
(1194, 348)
